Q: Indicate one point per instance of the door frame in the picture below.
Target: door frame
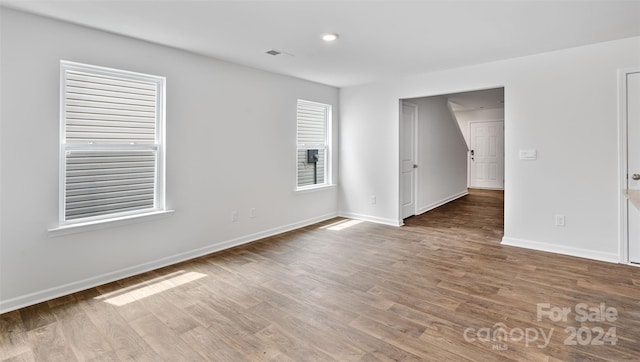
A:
(417, 146)
(469, 158)
(623, 234)
(415, 158)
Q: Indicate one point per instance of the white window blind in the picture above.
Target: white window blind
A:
(111, 142)
(312, 120)
(312, 134)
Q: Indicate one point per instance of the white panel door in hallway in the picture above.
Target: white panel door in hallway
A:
(409, 119)
(632, 111)
(486, 157)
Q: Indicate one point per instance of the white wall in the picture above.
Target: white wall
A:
(488, 114)
(442, 154)
(230, 146)
(563, 103)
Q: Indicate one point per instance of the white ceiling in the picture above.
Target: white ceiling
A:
(378, 39)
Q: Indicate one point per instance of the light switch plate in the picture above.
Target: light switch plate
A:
(528, 154)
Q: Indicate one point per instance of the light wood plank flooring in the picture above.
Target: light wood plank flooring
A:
(436, 289)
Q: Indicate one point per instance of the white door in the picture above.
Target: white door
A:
(633, 164)
(486, 157)
(408, 159)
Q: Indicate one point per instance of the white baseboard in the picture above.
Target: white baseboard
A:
(392, 222)
(486, 188)
(66, 289)
(375, 219)
(560, 249)
(432, 206)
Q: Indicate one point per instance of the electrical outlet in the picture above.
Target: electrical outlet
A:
(373, 199)
(252, 212)
(234, 216)
(560, 221)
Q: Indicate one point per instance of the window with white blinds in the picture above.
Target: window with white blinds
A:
(313, 137)
(112, 155)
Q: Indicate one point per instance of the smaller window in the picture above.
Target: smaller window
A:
(313, 140)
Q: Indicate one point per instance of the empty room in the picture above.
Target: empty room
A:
(319, 180)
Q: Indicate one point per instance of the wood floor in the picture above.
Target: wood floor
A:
(440, 288)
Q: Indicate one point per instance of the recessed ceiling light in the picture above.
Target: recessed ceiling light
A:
(330, 37)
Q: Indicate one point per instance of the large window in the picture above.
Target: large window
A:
(313, 135)
(111, 143)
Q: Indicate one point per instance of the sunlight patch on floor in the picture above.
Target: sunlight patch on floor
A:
(148, 288)
(341, 225)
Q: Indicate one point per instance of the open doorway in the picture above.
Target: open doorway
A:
(449, 144)
(480, 116)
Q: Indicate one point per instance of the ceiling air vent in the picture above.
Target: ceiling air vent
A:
(278, 52)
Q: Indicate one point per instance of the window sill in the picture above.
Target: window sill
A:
(315, 188)
(102, 224)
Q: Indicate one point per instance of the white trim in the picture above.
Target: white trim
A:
(486, 188)
(369, 218)
(558, 249)
(622, 168)
(61, 143)
(107, 223)
(312, 188)
(158, 146)
(432, 206)
(623, 237)
(66, 289)
(328, 141)
(415, 157)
